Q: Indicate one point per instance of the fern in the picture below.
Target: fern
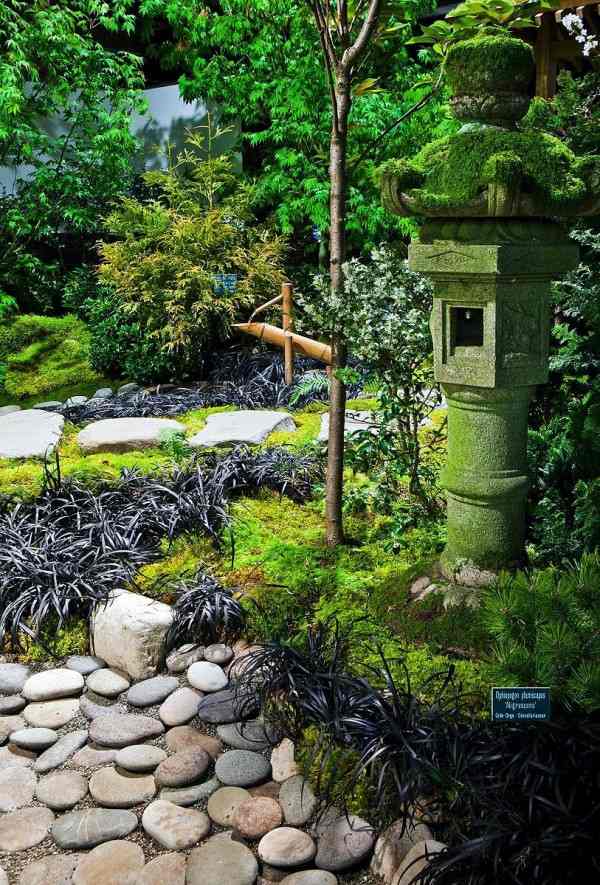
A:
(311, 385)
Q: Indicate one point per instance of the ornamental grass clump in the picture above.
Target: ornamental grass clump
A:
(204, 613)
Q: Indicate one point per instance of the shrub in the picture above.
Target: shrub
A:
(204, 613)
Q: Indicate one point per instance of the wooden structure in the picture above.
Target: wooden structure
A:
(553, 45)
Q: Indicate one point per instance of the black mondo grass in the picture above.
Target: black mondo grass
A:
(204, 613)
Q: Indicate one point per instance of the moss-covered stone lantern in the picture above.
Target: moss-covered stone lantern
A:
(492, 196)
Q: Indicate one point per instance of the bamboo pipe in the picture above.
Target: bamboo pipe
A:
(273, 335)
(288, 328)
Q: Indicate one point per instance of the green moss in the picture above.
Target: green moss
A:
(330, 772)
(489, 64)
(72, 639)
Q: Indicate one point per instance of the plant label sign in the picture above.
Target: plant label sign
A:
(520, 704)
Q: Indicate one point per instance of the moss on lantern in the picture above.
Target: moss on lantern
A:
(489, 64)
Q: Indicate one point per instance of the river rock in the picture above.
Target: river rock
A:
(92, 710)
(207, 677)
(13, 677)
(60, 751)
(253, 735)
(113, 788)
(344, 841)
(30, 433)
(110, 864)
(125, 434)
(56, 869)
(92, 826)
(416, 861)
(182, 658)
(174, 827)
(140, 758)
(310, 877)
(62, 790)
(182, 769)
(221, 860)
(219, 653)
(180, 707)
(297, 800)
(10, 757)
(168, 869)
(287, 847)
(24, 828)
(184, 737)
(49, 685)
(51, 714)
(270, 790)
(17, 788)
(283, 761)
(34, 739)
(394, 844)
(8, 724)
(223, 804)
(85, 664)
(257, 816)
(11, 705)
(242, 768)
(90, 757)
(118, 731)
(229, 705)
(190, 795)
(151, 691)
(108, 682)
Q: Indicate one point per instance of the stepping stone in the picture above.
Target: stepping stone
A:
(51, 714)
(242, 768)
(61, 751)
(190, 795)
(107, 682)
(13, 756)
(182, 658)
(183, 769)
(53, 684)
(51, 405)
(344, 841)
(89, 757)
(126, 434)
(62, 790)
(92, 826)
(310, 877)
(13, 677)
(8, 410)
(231, 428)
(173, 827)
(56, 869)
(34, 739)
(24, 828)
(17, 788)
(283, 761)
(8, 724)
(168, 869)
(221, 860)
(416, 861)
(287, 847)
(180, 707)
(85, 664)
(112, 788)
(257, 816)
(30, 433)
(297, 800)
(110, 864)
(11, 705)
(253, 735)
(354, 422)
(117, 731)
(184, 737)
(218, 654)
(227, 706)
(223, 804)
(92, 710)
(207, 677)
(140, 758)
(152, 691)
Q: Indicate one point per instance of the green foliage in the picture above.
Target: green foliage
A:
(330, 769)
(58, 642)
(165, 255)
(546, 629)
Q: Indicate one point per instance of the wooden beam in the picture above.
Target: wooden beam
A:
(545, 63)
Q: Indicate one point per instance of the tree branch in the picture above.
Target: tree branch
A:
(355, 51)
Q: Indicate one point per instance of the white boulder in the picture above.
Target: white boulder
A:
(354, 422)
(251, 427)
(30, 433)
(126, 434)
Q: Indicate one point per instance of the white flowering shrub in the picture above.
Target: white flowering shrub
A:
(577, 28)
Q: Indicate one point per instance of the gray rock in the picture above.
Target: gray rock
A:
(89, 757)
(9, 410)
(180, 707)
(297, 800)
(287, 847)
(92, 826)
(344, 841)
(92, 710)
(113, 863)
(114, 788)
(129, 633)
(252, 427)
(77, 400)
(182, 658)
(107, 682)
(13, 677)
(174, 827)
(151, 691)
(13, 756)
(126, 434)
(223, 804)
(8, 724)
(168, 869)
(62, 790)
(103, 393)
(51, 405)
(184, 737)
(218, 654)
(24, 828)
(242, 768)
(118, 731)
(394, 844)
(226, 706)
(17, 788)
(251, 735)
(51, 714)
(56, 869)
(207, 677)
(50, 685)
(355, 421)
(11, 705)
(190, 795)
(85, 664)
(140, 758)
(221, 860)
(283, 761)
(31, 433)
(34, 739)
(182, 769)
(128, 389)
(310, 877)
(416, 861)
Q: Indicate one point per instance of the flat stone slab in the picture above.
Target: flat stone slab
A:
(24, 828)
(174, 827)
(51, 685)
(91, 827)
(252, 427)
(62, 790)
(56, 869)
(354, 422)
(51, 714)
(126, 434)
(17, 788)
(112, 788)
(242, 768)
(31, 433)
(221, 860)
(118, 731)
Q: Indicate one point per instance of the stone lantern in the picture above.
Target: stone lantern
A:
(492, 197)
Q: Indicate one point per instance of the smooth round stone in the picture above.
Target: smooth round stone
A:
(117, 731)
(183, 768)
(140, 758)
(190, 795)
(152, 691)
(168, 869)
(56, 869)
(174, 827)
(51, 714)
(13, 677)
(223, 804)
(51, 685)
(242, 768)
(8, 724)
(218, 654)
(110, 864)
(91, 710)
(257, 816)
(115, 789)
(287, 847)
(34, 739)
(13, 756)
(11, 705)
(221, 861)
(24, 828)
(62, 790)
(92, 826)
(344, 841)
(108, 683)
(310, 877)
(253, 735)
(180, 707)
(17, 788)
(89, 757)
(270, 789)
(85, 664)
(60, 751)
(207, 677)
(184, 737)
(297, 801)
(227, 706)
(182, 658)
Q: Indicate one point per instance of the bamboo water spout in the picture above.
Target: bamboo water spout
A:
(316, 350)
